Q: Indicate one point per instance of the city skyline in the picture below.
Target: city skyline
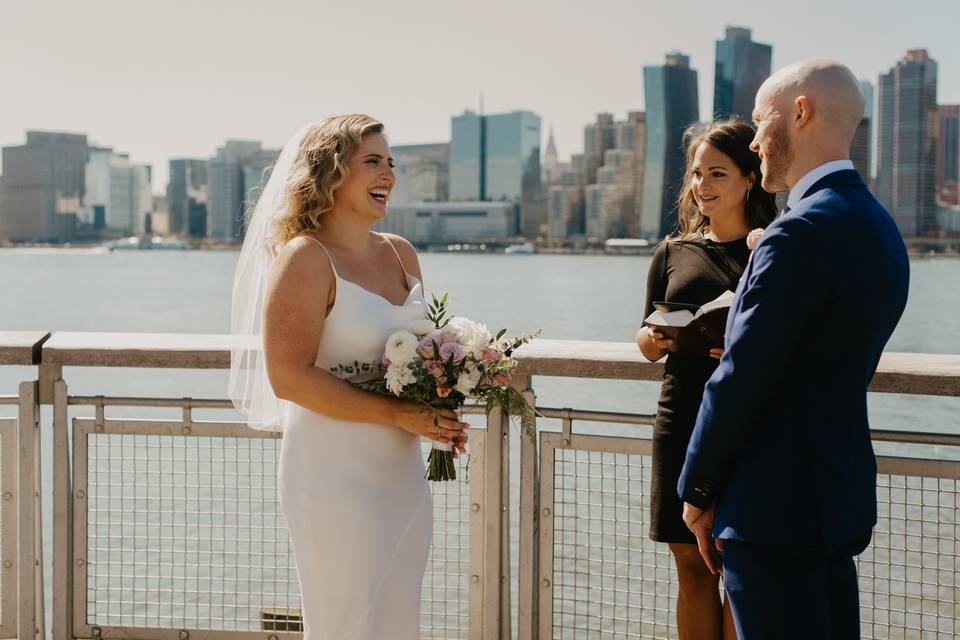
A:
(230, 68)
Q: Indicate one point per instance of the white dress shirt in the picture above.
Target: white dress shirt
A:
(807, 181)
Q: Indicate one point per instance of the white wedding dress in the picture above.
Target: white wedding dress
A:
(358, 508)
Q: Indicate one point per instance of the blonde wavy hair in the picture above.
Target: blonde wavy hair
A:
(319, 168)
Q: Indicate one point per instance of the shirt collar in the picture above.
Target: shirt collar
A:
(807, 181)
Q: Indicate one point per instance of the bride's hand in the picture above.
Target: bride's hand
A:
(440, 425)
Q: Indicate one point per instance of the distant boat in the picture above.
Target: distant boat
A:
(632, 246)
(154, 243)
(525, 248)
(157, 242)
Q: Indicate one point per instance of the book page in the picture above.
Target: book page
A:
(679, 318)
(724, 300)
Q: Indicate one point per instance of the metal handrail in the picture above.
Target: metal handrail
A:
(899, 373)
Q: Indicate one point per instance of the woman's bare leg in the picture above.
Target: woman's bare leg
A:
(699, 612)
(729, 628)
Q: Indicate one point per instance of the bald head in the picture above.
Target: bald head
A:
(806, 114)
(831, 91)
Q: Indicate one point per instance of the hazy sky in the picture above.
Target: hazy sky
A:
(175, 79)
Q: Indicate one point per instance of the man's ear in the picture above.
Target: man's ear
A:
(802, 110)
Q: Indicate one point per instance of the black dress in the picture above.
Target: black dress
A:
(692, 271)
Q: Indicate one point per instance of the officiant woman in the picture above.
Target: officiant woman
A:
(720, 202)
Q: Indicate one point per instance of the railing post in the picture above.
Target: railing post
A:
(30, 548)
(62, 516)
(529, 552)
(494, 517)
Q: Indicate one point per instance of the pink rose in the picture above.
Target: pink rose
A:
(502, 379)
(434, 368)
(425, 348)
(447, 337)
(491, 355)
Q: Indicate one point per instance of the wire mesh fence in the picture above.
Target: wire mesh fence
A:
(186, 532)
(909, 575)
(608, 578)
(610, 581)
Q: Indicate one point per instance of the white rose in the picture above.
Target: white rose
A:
(468, 380)
(398, 377)
(472, 335)
(401, 347)
(422, 327)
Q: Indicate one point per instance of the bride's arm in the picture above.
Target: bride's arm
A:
(297, 299)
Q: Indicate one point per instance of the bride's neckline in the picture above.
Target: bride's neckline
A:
(412, 286)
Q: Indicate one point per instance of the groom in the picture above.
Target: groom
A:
(780, 468)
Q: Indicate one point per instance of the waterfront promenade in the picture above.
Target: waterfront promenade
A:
(168, 527)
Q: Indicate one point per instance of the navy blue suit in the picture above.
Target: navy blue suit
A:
(782, 442)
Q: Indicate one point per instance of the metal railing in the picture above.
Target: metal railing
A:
(171, 529)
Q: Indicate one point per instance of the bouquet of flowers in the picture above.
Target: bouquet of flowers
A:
(442, 361)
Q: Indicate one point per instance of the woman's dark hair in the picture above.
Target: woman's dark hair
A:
(732, 138)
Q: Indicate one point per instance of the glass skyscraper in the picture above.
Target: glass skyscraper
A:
(742, 66)
(466, 157)
(673, 104)
(906, 158)
(948, 154)
(497, 157)
(187, 183)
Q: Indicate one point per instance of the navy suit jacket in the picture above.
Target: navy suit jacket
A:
(782, 441)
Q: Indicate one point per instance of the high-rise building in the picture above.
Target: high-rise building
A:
(42, 189)
(673, 104)
(551, 161)
(118, 197)
(141, 198)
(742, 66)
(861, 148)
(467, 152)
(97, 193)
(564, 205)
(497, 157)
(948, 154)
(906, 158)
(235, 175)
(563, 193)
(187, 196)
(423, 172)
(598, 137)
(632, 136)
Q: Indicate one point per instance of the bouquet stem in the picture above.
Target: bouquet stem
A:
(440, 467)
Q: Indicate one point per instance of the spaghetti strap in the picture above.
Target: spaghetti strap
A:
(329, 257)
(396, 253)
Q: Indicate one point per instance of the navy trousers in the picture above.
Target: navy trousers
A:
(781, 593)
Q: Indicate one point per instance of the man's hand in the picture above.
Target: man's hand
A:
(700, 523)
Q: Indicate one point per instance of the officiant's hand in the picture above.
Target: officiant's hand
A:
(660, 339)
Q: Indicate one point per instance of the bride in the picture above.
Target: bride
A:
(316, 294)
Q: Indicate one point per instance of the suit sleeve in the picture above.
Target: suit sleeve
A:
(784, 290)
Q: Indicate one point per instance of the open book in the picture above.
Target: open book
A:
(694, 329)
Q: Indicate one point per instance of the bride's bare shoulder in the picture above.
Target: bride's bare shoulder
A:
(406, 251)
(303, 260)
